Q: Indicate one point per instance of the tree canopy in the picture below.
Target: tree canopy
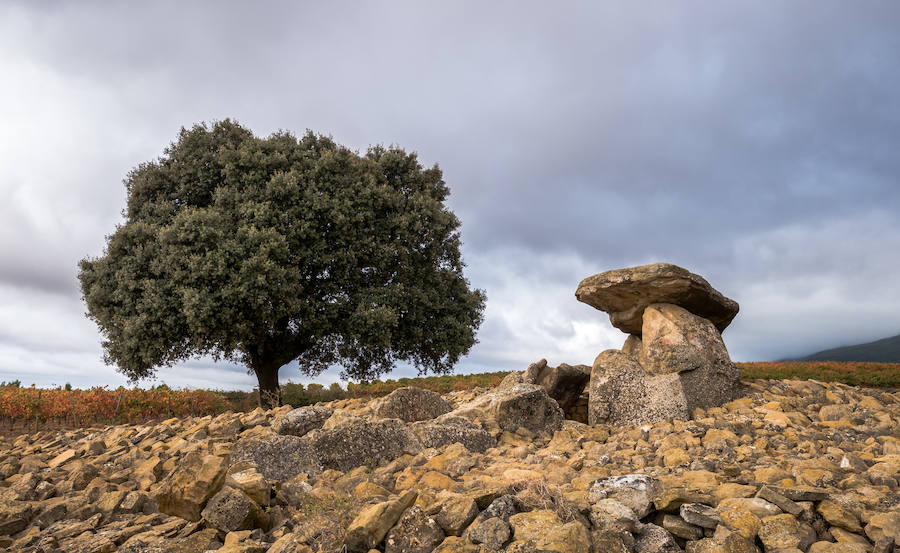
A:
(269, 250)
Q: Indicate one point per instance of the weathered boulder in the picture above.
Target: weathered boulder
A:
(450, 429)
(373, 523)
(677, 341)
(358, 442)
(674, 340)
(411, 404)
(564, 383)
(634, 491)
(547, 532)
(230, 510)
(681, 364)
(621, 393)
(655, 539)
(625, 293)
(300, 421)
(185, 492)
(415, 532)
(515, 404)
(277, 457)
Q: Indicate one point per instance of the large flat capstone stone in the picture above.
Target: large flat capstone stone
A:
(625, 293)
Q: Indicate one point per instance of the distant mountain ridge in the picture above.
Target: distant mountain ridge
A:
(886, 350)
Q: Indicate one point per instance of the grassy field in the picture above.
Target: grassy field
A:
(879, 375)
(33, 407)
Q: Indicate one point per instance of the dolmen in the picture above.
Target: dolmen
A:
(674, 360)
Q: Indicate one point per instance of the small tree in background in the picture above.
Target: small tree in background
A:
(269, 250)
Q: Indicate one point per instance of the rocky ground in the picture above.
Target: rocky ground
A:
(790, 466)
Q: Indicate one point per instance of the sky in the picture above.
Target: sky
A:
(752, 143)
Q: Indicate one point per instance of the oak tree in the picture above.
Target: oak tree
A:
(269, 250)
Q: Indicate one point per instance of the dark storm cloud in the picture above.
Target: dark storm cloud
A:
(755, 144)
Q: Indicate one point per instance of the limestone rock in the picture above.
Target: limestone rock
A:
(277, 457)
(779, 532)
(360, 443)
(414, 533)
(230, 510)
(625, 293)
(493, 532)
(655, 539)
(675, 340)
(515, 405)
(546, 532)
(302, 420)
(884, 525)
(411, 404)
(634, 491)
(622, 394)
(185, 492)
(450, 429)
(373, 523)
(564, 383)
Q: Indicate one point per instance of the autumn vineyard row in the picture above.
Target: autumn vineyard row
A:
(76, 407)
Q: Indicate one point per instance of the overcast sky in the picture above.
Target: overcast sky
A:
(755, 143)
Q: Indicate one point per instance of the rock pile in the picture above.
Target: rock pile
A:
(792, 466)
(674, 360)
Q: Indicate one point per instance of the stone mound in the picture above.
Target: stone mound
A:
(411, 404)
(674, 359)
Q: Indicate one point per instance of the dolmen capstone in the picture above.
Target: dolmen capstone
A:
(674, 359)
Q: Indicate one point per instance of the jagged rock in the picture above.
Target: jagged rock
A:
(564, 383)
(411, 404)
(14, 517)
(679, 528)
(609, 514)
(187, 489)
(655, 539)
(230, 510)
(360, 443)
(373, 523)
(625, 293)
(277, 457)
(492, 532)
(251, 482)
(302, 420)
(414, 533)
(884, 525)
(700, 515)
(516, 404)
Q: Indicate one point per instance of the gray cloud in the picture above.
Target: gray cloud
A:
(753, 144)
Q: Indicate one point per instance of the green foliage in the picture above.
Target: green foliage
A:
(267, 250)
(12, 383)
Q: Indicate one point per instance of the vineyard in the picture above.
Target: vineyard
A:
(74, 407)
(99, 405)
(880, 375)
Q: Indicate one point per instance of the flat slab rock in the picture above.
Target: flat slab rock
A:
(625, 293)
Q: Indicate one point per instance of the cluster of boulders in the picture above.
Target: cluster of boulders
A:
(792, 466)
(674, 359)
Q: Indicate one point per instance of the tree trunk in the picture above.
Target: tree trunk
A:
(269, 389)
